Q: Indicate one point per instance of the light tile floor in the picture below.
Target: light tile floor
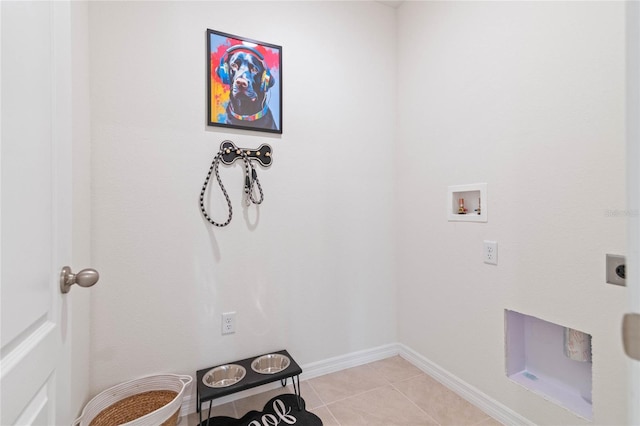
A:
(382, 393)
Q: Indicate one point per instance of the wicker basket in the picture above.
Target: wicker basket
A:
(153, 400)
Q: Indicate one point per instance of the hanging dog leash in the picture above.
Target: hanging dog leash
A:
(228, 154)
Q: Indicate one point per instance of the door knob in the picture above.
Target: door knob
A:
(85, 278)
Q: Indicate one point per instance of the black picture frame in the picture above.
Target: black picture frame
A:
(244, 83)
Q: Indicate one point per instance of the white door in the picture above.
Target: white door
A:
(36, 213)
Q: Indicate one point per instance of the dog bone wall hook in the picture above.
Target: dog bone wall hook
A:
(230, 153)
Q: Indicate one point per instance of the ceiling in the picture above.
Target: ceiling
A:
(392, 3)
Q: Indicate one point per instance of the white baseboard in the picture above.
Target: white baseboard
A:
(487, 404)
(342, 362)
(331, 365)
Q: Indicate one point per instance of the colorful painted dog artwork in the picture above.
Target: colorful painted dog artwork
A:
(243, 69)
(245, 83)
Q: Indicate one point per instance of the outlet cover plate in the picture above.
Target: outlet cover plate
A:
(490, 252)
(228, 323)
(613, 262)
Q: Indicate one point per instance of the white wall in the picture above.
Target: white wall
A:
(633, 188)
(310, 269)
(528, 97)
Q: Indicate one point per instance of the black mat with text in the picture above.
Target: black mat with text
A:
(280, 410)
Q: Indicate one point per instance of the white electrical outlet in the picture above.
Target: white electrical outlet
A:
(490, 253)
(229, 323)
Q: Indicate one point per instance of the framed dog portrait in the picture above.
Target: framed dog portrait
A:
(244, 83)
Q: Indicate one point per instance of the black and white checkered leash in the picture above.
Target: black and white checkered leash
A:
(250, 178)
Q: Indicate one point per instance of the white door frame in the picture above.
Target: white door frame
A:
(633, 189)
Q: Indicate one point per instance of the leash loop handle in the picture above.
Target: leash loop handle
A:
(214, 168)
(228, 154)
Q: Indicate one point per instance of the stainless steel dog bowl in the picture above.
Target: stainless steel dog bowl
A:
(223, 376)
(270, 364)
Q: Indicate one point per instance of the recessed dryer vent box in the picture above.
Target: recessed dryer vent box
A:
(539, 357)
(467, 203)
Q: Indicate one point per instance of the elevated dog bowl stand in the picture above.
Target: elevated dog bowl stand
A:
(252, 379)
